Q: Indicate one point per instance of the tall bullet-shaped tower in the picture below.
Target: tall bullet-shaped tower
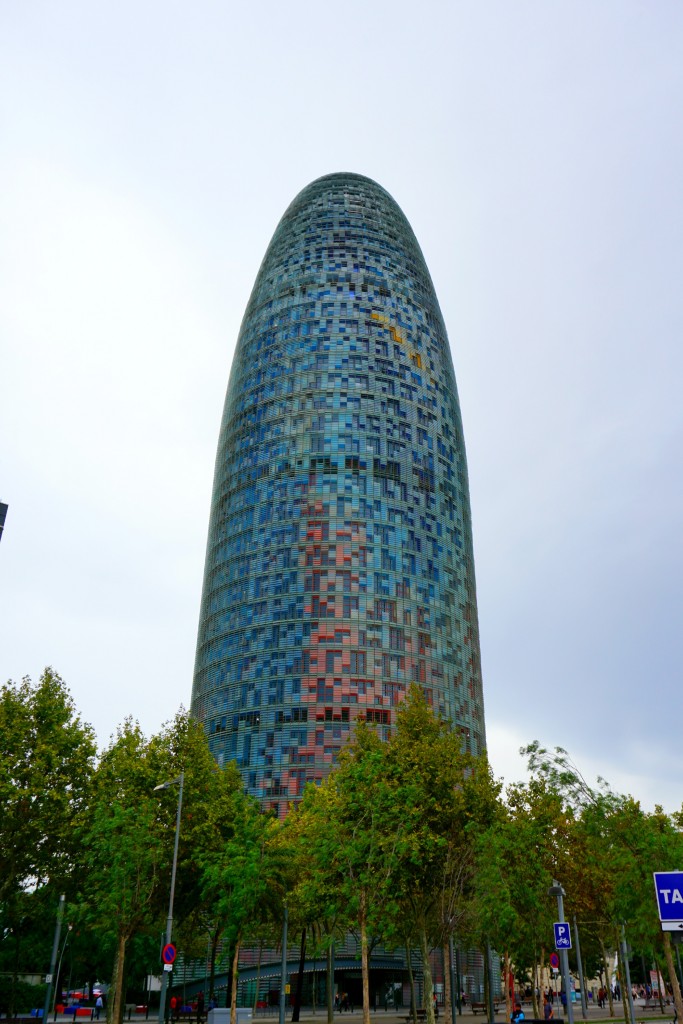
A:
(339, 565)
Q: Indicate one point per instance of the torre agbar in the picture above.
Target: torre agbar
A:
(339, 564)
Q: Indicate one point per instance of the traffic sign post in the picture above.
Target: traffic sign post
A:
(554, 961)
(557, 890)
(168, 953)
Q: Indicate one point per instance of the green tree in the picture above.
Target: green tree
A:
(623, 845)
(47, 757)
(518, 858)
(128, 838)
(123, 852)
(353, 821)
(442, 797)
(317, 894)
(243, 877)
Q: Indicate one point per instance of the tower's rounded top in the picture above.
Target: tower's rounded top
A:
(342, 181)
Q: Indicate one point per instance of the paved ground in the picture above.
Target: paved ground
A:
(308, 1016)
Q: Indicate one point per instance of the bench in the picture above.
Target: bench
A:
(483, 1007)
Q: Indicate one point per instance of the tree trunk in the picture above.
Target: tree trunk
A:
(508, 998)
(364, 959)
(233, 993)
(621, 975)
(659, 978)
(534, 991)
(673, 977)
(115, 1005)
(447, 1015)
(487, 980)
(427, 978)
(608, 985)
(258, 976)
(329, 971)
(214, 950)
(411, 979)
(316, 947)
(15, 975)
(296, 1012)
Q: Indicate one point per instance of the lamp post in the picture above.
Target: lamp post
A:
(169, 920)
(455, 995)
(557, 890)
(57, 978)
(579, 964)
(53, 962)
(283, 972)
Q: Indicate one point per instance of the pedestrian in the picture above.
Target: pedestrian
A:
(548, 1012)
(98, 1006)
(200, 1006)
(173, 1005)
(517, 1014)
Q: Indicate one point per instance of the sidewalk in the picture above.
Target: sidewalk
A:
(319, 1016)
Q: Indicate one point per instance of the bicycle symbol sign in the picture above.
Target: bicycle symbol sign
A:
(563, 938)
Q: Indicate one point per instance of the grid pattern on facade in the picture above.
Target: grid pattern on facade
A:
(339, 562)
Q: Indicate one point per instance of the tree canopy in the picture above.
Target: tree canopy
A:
(410, 841)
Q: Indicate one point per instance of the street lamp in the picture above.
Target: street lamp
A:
(53, 961)
(557, 890)
(59, 970)
(169, 920)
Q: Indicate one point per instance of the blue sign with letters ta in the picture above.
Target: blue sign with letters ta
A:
(669, 889)
(563, 938)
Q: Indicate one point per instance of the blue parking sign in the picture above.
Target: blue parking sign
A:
(563, 937)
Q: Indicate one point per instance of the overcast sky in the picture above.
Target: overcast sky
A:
(147, 152)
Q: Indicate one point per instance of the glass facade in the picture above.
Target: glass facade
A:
(339, 564)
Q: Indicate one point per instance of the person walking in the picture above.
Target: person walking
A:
(99, 1003)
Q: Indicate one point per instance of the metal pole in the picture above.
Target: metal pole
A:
(489, 968)
(458, 977)
(564, 957)
(283, 973)
(627, 975)
(53, 960)
(56, 978)
(584, 1005)
(169, 919)
(678, 960)
(451, 968)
